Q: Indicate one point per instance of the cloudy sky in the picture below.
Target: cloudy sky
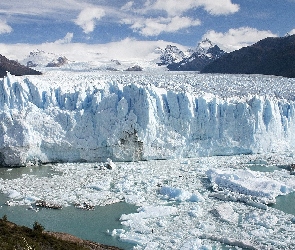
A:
(229, 23)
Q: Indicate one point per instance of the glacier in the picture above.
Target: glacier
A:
(66, 116)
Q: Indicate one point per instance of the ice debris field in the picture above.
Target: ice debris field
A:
(197, 203)
(177, 145)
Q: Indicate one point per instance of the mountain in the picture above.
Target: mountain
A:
(205, 53)
(270, 56)
(44, 59)
(60, 61)
(14, 68)
(171, 54)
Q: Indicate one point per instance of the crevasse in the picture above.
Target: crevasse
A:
(42, 121)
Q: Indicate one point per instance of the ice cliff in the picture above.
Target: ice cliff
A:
(70, 117)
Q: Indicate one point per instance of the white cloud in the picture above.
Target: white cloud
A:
(221, 7)
(4, 27)
(88, 17)
(291, 32)
(127, 6)
(215, 7)
(67, 39)
(128, 50)
(156, 26)
(235, 39)
(34, 8)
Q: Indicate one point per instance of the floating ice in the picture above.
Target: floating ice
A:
(150, 212)
(247, 184)
(226, 213)
(180, 194)
(176, 206)
(12, 194)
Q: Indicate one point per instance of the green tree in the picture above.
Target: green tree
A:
(37, 227)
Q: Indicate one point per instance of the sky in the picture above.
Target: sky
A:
(231, 24)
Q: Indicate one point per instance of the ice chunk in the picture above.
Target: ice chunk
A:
(247, 183)
(195, 211)
(13, 194)
(225, 212)
(175, 193)
(103, 184)
(110, 164)
(180, 194)
(150, 212)
(195, 244)
(264, 219)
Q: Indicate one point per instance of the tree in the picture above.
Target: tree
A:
(37, 227)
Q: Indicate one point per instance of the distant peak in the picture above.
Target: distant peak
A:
(205, 44)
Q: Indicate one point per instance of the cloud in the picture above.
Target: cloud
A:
(58, 10)
(156, 26)
(67, 39)
(126, 50)
(127, 6)
(4, 28)
(291, 32)
(88, 17)
(176, 7)
(235, 39)
(221, 7)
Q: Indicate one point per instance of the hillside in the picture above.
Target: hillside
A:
(13, 236)
(270, 56)
(15, 68)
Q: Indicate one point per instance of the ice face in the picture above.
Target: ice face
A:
(77, 117)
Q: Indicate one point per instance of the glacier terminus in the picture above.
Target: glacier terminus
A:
(91, 116)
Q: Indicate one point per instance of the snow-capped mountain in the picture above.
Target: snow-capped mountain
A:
(40, 58)
(171, 54)
(204, 47)
(58, 62)
(205, 53)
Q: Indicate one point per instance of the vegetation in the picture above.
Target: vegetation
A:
(23, 238)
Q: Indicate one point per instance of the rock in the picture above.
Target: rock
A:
(15, 68)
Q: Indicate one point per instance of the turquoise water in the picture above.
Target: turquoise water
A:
(285, 203)
(263, 168)
(90, 225)
(39, 171)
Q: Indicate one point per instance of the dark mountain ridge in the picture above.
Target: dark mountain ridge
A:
(15, 68)
(270, 56)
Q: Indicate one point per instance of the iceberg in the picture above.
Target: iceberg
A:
(247, 186)
(92, 116)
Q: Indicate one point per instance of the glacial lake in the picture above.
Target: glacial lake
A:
(90, 225)
(95, 225)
